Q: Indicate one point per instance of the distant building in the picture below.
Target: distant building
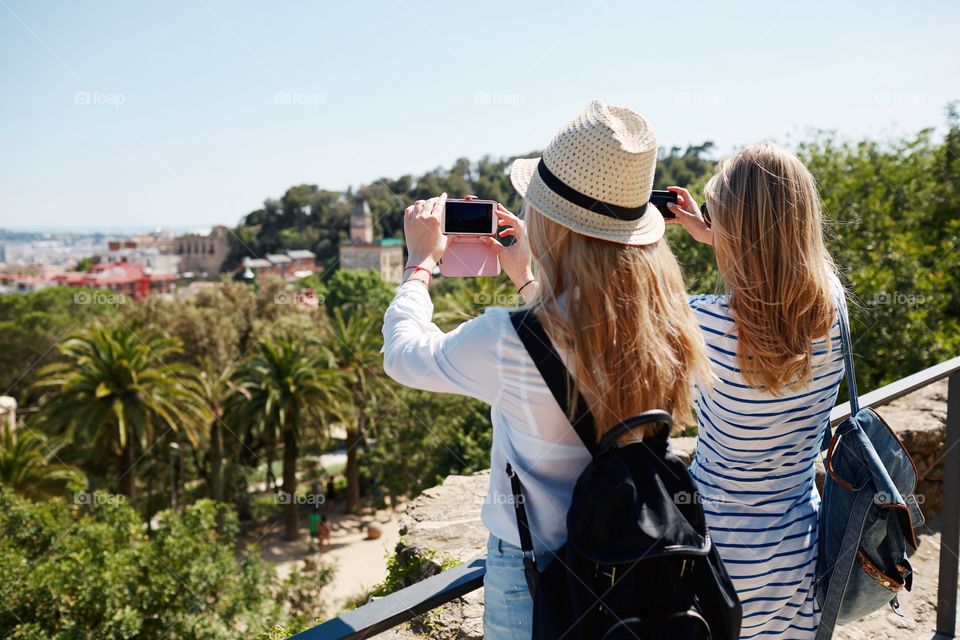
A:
(158, 263)
(292, 265)
(203, 254)
(385, 256)
(132, 281)
(159, 240)
(303, 262)
(27, 278)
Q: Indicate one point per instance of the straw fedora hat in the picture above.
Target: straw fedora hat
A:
(596, 175)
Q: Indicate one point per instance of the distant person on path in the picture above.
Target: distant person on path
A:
(601, 281)
(773, 339)
(330, 498)
(313, 524)
(324, 533)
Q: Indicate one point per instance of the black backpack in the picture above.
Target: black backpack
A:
(638, 563)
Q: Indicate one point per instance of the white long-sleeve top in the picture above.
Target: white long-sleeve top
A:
(483, 358)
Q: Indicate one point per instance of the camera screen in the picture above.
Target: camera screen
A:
(469, 217)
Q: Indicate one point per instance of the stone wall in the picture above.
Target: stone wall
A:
(446, 518)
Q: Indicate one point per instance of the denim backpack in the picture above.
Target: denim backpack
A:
(868, 513)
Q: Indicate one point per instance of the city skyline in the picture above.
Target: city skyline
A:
(192, 113)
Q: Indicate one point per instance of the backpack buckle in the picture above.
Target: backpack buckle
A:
(612, 575)
(530, 573)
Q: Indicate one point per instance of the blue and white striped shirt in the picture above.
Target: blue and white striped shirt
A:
(755, 471)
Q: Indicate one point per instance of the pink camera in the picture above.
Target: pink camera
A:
(465, 223)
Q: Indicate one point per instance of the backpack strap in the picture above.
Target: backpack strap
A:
(846, 558)
(530, 572)
(846, 348)
(548, 362)
(846, 344)
(555, 375)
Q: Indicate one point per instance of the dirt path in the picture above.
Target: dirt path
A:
(360, 561)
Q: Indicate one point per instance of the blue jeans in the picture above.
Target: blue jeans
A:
(507, 605)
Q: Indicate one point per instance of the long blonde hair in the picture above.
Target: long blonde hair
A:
(632, 342)
(768, 239)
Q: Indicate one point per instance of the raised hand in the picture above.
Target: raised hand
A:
(688, 214)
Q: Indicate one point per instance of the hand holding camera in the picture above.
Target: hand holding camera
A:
(684, 211)
(462, 236)
(468, 225)
(515, 258)
(421, 229)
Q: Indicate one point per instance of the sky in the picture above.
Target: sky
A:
(190, 113)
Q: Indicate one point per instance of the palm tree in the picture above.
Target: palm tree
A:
(29, 465)
(217, 387)
(115, 392)
(353, 344)
(287, 385)
(461, 301)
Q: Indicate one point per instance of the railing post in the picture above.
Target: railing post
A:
(950, 516)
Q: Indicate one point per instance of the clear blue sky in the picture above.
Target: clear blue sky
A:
(119, 113)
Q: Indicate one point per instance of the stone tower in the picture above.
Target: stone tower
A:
(361, 223)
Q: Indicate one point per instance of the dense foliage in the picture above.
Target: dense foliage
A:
(32, 325)
(90, 571)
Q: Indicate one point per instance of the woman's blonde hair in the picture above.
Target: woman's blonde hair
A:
(768, 239)
(631, 340)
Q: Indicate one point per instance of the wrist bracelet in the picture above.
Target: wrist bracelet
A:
(525, 284)
(418, 268)
(425, 283)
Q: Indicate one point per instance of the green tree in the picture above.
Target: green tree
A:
(890, 232)
(286, 386)
(91, 571)
(423, 437)
(115, 392)
(363, 291)
(353, 345)
(217, 388)
(459, 299)
(33, 324)
(29, 465)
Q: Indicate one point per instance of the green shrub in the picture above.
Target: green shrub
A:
(90, 571)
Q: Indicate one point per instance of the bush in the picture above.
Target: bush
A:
(90, 571)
